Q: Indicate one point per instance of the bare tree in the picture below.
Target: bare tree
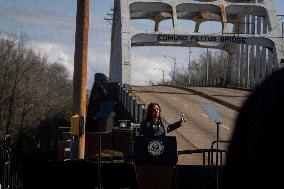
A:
(33, 94)
(216, 62)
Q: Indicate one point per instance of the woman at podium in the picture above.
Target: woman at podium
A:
(153, 126)
(152, 169)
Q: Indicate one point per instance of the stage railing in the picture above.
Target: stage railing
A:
(208, 155)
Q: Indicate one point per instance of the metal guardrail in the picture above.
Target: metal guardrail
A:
(217, 82)
(133, 106)
(220, 141)
(208, 155)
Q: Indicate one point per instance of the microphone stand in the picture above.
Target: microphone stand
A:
(102, 115)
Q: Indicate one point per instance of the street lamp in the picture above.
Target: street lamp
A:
(207, 66)
(162, 70)
(175, 62)
(189, 66)
(281, 18)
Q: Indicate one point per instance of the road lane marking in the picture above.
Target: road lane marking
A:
(222, 125)
(187, 105)
(204, 115)
(175, 98)
(225, 127)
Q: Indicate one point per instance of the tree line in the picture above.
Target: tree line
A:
(216, 62)
(35, 98)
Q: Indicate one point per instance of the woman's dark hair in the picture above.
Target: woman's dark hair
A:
(151, 109)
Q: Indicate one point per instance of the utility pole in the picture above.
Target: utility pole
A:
(175, 62)
(163, 77)
(109, 19)
(163, 71)
(174, 70)
(248, 70)
(80, 74)
(207, 65)
(282, 24)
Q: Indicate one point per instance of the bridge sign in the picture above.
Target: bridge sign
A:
(202, 38)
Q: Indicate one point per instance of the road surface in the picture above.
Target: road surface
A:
(198, 132)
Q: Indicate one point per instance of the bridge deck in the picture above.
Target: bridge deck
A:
(198, 132)
(235, 97)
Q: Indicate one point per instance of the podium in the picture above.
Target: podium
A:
(155, 160)
(155, 151)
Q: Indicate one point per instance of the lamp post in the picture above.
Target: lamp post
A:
(175, 62)
(163, 71)
(282, 25)
(189, 66)
(207, 65)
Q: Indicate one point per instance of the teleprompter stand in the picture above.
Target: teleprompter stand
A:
(105, 109)
(214, 117)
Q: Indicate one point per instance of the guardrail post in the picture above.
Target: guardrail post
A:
(136, 109)
(118, 89)
(141, 112)
(128, 104)
(124, 97)
(132, 107)
(138, 113)
(121, 95)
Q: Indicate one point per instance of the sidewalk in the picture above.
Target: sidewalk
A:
(231, 98)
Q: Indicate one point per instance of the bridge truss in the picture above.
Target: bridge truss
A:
(255, 46)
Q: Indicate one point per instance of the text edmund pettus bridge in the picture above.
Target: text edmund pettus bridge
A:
(203, 38)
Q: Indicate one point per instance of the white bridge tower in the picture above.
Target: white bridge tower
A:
(254, 46)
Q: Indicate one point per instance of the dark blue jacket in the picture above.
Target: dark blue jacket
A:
(150, 129)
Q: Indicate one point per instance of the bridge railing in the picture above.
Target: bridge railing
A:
(217, 82)
(133, 106)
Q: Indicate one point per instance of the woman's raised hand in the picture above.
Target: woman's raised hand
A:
(182, 118)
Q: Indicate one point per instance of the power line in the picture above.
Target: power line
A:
(109, 17)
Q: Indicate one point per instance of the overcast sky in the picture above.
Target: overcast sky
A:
(49, 26)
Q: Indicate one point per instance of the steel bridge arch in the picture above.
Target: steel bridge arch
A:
(254, 21)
